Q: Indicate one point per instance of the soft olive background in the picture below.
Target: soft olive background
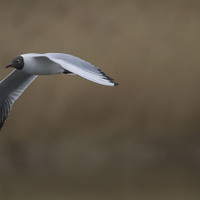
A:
(68, 138)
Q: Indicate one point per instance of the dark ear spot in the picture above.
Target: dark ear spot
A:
(18, 62)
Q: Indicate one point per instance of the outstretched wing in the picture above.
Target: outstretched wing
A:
(10, 89)
(81, 68)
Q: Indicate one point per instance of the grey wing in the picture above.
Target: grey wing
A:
(10, 89)
(81, 68)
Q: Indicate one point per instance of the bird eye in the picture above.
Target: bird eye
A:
(18, 61)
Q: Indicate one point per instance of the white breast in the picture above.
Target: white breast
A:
(40, 65)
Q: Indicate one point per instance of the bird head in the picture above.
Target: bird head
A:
(17, 63)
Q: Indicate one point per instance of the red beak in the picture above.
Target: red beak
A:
(9, 66)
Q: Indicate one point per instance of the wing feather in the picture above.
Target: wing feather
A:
(10, 89)
(81, 68)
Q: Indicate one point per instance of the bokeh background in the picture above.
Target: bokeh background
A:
(68, 138)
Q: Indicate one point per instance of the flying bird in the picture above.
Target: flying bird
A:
(29, 66)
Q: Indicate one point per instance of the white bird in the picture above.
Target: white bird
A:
(28, 66)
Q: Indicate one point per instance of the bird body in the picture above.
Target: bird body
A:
(29, 66)
(39, 64)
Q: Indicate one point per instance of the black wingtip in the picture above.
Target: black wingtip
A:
(116, 84)
(108, 77)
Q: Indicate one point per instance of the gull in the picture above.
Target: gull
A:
(29, 66)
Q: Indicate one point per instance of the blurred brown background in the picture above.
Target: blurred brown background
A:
(68, 138)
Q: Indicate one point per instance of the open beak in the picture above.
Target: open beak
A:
(8, 66)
